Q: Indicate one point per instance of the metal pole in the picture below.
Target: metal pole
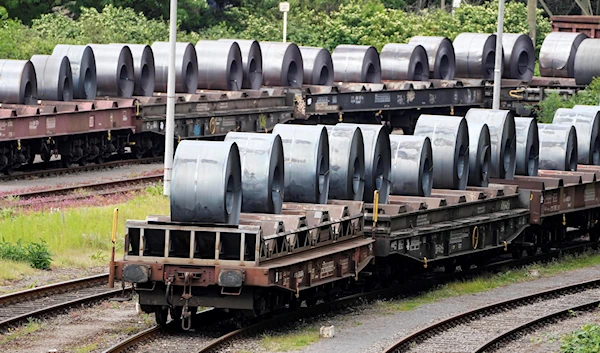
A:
(170, 123)
(499, 58)
(284, 26)
(531, 18)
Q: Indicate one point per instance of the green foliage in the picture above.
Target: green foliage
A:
(36, 254)
(588, 96)
(585, 340)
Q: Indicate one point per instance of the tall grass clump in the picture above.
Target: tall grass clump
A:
(36, 254)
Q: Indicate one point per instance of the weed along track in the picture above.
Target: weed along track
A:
(19, 306)
(486, 328)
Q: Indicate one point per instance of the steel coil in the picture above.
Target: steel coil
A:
(440, 54)
(18, 83)
(318, 66)
(479, 154)
(144, 69)
(528, 147)
(346, 162)
(404, 62)
(306, 152)
(186, 67)
(114, 70)
(282, 64)
(262, 171)
(502, 137)
(449, 137)
(252, 62)
(54, 77)
(412, 165)
(219, 65)
(557, 55)
(587, 61)
(519, 56)
(378, 161)
(356, 63)
(83, 68)
(475, 55)
(558, 147)
(585, 120)
(206, 183)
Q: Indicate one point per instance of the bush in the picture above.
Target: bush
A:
(588, 96)
(36, 254)
(585, 340)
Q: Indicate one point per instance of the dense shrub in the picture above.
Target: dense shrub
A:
(588, 96)
(585, 340)
(36, 254)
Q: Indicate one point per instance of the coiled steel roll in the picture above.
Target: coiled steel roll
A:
(83, 68)
(346, 162)
(585, 120)
(440, 54)
(282, 64)
(528, 147)
(412, 165)
(306, 152)
(404, 62)
(475, 55)
(356, 63)
(587, 61)
(558, 147)
(479, 154)
(378, 161)
(206, 184)
(219, 65)
(262, 171)
(449, 137)
(318, 66)
(54, 77)
(519, 56)
(144, 69)
(186, 67)
(502, 137)
(252, 62)
(114, 69)
(557, 55)
(17, 82)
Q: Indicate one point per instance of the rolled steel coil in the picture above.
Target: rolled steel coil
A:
(252, 62)
(557, 55)
(144, 68)
(54, 77)
(502, 137)
(306, 152)
(219, 65)
(262, 171)
(585, 120)
(412, 165)
(404, 62)
(378, 161)
(114, 69)
(356, 63)
(282, 64)
(475, 55)
(587, 61)
(346, 162)
(18, 83)
(318, 66)
(528, 147)
(449, 137)
(186, 67)
(83, 68)
(479, 154)
(206, 185)
(558, 147)
(519, 56)
(440, 54)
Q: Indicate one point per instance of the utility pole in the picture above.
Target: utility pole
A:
(170, 123)
(285, 8)
(499, 58)
(531, 18)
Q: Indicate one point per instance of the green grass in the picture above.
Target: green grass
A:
(490, 281)
(31, 326)
(290, 341)
(86, 348)
(12, 270)
(584, 340)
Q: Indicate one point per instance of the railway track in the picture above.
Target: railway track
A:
(17, 307)
(487, 328)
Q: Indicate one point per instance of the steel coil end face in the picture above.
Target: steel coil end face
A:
(144, 68)
(83, 69)
(263, 169)
(475, 55)
(557, 55)
(19, 82)
(404, 62)
(347, 162)
(412, 165)
(219, 65)
(528, 147)
(558, 147)
(479, 154)
(54, 77)
(318, 66)
(519, 56)
(585, 120)
(186, 67)
(282, 64)
(356, 63)
(206, 185)
(306, 152)
(440, 54)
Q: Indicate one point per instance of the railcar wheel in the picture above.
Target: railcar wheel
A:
(161, 314)
(46, 157)
(65, 160)
(532, 251)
